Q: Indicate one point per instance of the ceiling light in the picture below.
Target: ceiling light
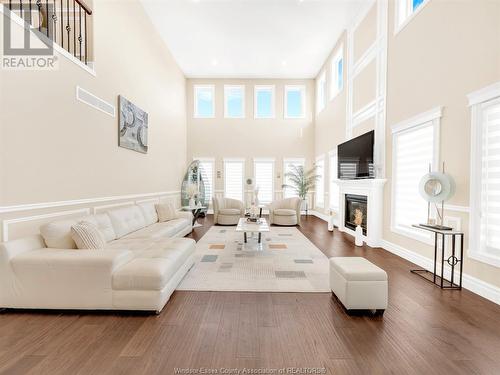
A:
(214, 62)
(283, 63)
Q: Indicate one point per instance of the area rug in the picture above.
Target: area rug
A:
(286, 262)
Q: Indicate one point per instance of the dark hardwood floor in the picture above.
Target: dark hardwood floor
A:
(424, 331)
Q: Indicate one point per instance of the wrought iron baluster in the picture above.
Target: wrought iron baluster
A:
(74, 29)
(21, 9)
(80, 30)
(31, 21)
(62, 30)
(47, 17)
(54, 18)
(39, 5)
(85, 19)
(68, 27)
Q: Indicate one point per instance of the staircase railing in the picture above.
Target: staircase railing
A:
(65, 22)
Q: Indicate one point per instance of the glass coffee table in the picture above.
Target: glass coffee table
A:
(258, 227)
(196, 211)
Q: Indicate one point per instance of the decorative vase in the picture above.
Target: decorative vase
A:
(359, 236)
(330, 222)
(192, 202)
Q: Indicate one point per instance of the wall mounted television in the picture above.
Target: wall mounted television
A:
(355, 158)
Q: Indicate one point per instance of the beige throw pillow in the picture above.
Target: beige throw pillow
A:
(87, 236)
(166, 212)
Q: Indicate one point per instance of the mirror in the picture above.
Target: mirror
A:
(433, 187)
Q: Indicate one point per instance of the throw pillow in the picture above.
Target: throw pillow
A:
(87, 236)
(166, 212)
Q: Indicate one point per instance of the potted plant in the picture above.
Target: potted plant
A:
(301, 181)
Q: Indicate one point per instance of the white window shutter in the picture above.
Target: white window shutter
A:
(264, 180)
(233, 179)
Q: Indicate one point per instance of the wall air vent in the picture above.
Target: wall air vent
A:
(95, 102)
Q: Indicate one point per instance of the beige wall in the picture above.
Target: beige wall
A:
(330, 123)
(447, 51)
(249, 138)
(365, 34)
(56, 148)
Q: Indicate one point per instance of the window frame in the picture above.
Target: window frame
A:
(404, 13)
(197, 87)
(331, 178)
(434, 117)
(273, 101)
(227, 88)
(320, 204)
(272, 162)
(334, 76)
(321, 87)
(301, 161)
(235, 160)
(302, 89)
(479, 100)
(212, 177)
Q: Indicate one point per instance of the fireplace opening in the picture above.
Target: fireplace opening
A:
(353, 203)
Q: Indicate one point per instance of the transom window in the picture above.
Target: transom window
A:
(234, 172)
(321, 92)
(406, 10)
(264, 101)
(204, 101)
(234, 101)
(295, 105)
(264, 179)
(337, 73)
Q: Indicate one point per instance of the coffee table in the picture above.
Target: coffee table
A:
(250, 227)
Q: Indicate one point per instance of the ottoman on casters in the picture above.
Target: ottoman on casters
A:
(359, 284)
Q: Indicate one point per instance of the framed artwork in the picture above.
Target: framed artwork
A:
(133, 131)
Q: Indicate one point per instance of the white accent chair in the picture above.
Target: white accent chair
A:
(227, 211)
(285, 211)
(359, 284)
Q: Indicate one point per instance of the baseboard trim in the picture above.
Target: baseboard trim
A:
(471, 283)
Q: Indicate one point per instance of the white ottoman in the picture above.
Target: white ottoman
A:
(358, 284)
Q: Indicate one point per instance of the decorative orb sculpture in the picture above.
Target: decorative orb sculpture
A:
(436, 187)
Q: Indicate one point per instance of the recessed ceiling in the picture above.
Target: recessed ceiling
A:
(251, 38)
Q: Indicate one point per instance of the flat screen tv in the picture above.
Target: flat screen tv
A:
(355, 158)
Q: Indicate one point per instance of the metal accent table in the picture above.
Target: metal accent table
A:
(196, 211)
(452, 260)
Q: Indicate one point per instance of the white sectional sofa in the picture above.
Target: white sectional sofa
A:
(139, 268)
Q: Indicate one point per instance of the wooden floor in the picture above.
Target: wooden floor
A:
(424, 331)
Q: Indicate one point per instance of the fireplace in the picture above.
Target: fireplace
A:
(353, 203)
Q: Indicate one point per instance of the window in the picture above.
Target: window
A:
(204, 101)
(321, 92)
(295, 105)
(337, 73)
(415, 148)
(334, 193)
(264, 179)
(207, 175)
(234, 172)
(288, 166)
(234, 101)
(406, 10)
(484, 242)
(320, 182)
(264, 101)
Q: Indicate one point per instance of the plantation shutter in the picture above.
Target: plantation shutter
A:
(320, 182)
(334, 188)
(264, 172)
(287, 167)
(490, 177)
(413, 152)
(233, 181)
(207, 174)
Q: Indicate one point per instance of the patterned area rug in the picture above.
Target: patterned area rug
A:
(285, 262)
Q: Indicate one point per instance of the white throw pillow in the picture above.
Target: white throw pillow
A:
(166, 212)
(103, 223)
(87, 236)
(57, 234)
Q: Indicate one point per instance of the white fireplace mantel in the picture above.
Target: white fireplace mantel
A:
(373, 189)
